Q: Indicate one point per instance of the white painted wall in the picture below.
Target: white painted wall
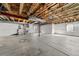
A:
(7, 29)
(67, 29)
(60, 28)
(53, 30)
(45, 29)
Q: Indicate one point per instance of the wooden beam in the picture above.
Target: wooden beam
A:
(33, 7)
(69, 12)
(21, 8)
(57, 10)
(7, 6)
(46, 9)
(64, 7)
(52, 9)
(64, 12)
(69, 9)
(12, 15)
(66, 15)
(42, 7)
(67, 19)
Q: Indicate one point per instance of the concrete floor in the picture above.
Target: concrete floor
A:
(45, 45)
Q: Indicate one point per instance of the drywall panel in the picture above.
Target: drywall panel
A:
(46, 29)
(8, 29)
(67, 28)
(60, 28)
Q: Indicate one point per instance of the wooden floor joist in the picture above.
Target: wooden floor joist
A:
(59, 12)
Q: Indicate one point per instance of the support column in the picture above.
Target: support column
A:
(24, 29)
(18, 29)
(39, 31)
(27, 25)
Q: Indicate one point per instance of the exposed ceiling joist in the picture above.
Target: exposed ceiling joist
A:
(58, 9)
(32, 8)
(50, 12)
(63, 12)
(52, 9)
(21, 8)
(45, 9)
(7, 6)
